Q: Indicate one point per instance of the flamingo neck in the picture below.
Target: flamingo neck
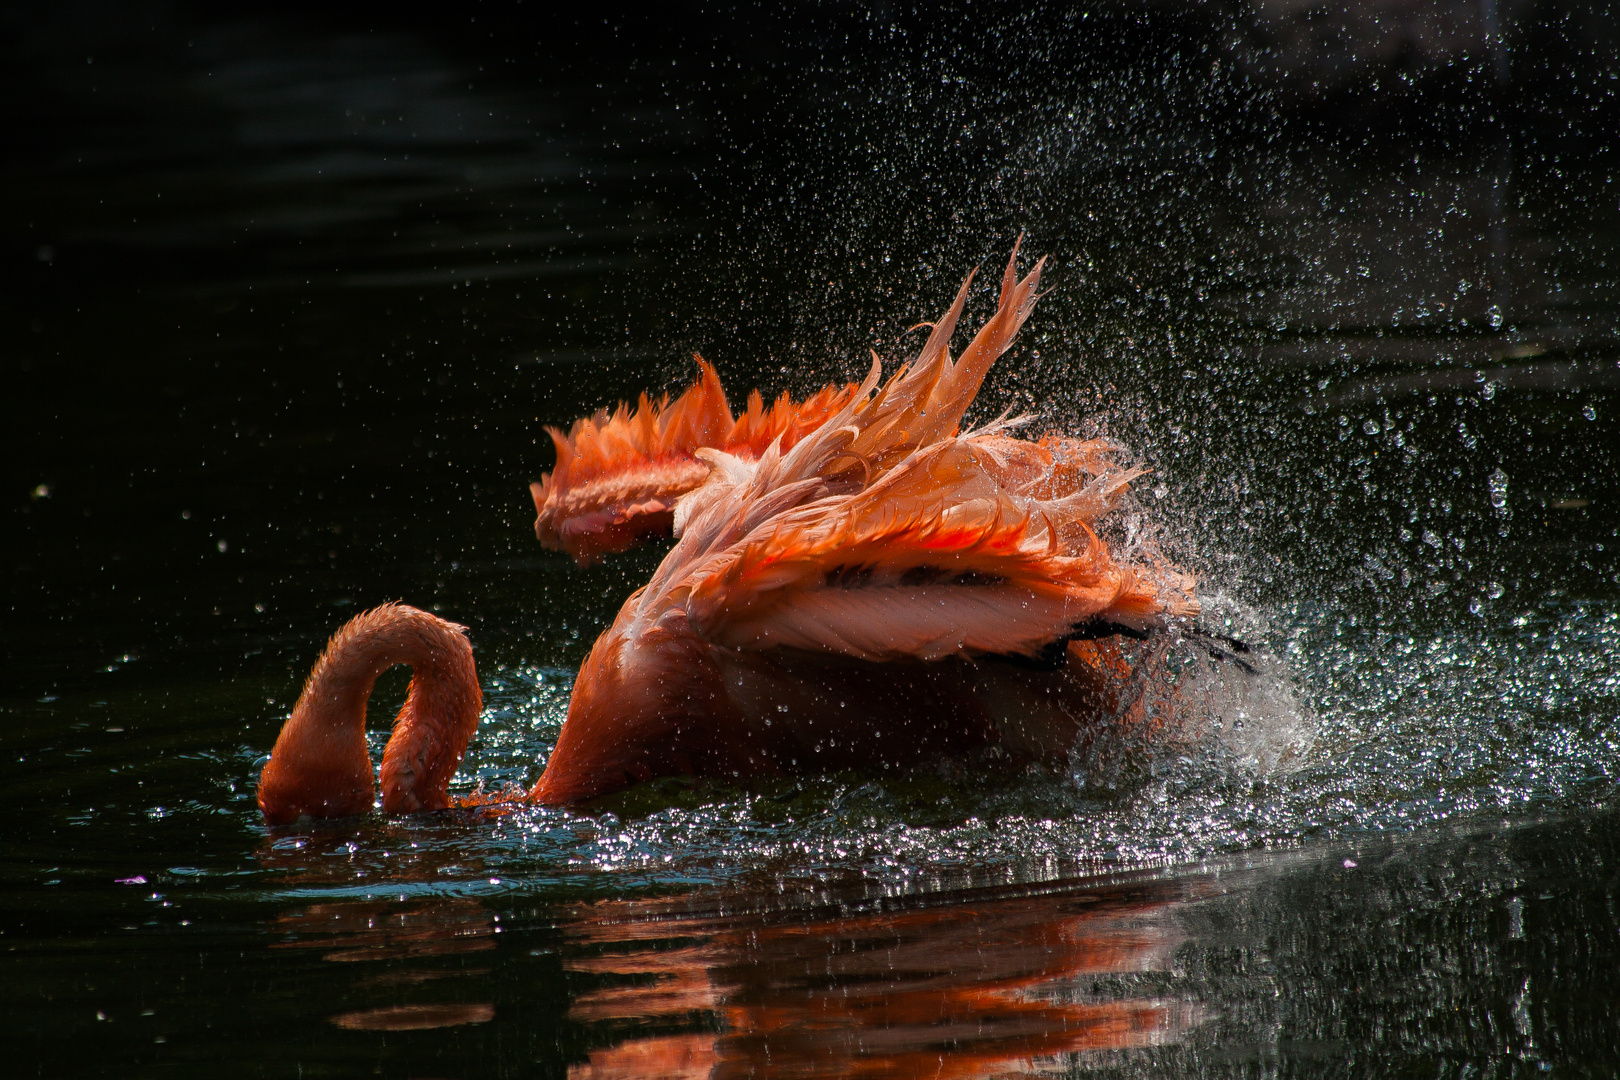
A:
(320, 765)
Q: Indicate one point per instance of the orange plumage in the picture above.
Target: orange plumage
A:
(863, 591)
(617, 477)
(846, 601)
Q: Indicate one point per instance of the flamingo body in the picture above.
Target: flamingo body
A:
(867, 590)
(669, 703)
(850, 600)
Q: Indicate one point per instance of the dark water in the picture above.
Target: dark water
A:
(290, 293)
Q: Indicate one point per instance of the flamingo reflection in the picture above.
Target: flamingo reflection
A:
(998, 987)
(414, 940)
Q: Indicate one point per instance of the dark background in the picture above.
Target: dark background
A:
(288, 291)
(275, 272)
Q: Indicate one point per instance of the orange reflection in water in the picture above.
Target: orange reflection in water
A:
(987, 987)
(414, 1017)
(362, 931)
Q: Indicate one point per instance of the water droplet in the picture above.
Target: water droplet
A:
(1371, 427)
(1494, 314)
(1498, 484)
(1589, 412)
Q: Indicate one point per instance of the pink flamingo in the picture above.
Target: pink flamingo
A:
(888, 589)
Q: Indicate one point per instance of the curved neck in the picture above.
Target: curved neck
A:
(320, 765)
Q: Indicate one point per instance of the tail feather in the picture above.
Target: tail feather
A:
(960, 383)
(929, 544)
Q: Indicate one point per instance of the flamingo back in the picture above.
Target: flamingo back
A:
(888, 533)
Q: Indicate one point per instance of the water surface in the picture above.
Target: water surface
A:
(290, 299)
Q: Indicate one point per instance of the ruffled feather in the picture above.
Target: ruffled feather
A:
(887, 533)
(618, 476)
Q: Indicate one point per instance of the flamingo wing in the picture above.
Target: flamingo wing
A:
(937, 557)
(619, 475)
(885, 533)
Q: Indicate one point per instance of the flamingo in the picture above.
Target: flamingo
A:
(889, 588)
(617, 477)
